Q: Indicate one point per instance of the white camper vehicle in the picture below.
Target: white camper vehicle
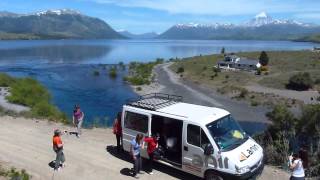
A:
(203, 141)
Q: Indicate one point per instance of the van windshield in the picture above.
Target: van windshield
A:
(227, 133)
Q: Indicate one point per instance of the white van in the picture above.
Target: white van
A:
(203, 141)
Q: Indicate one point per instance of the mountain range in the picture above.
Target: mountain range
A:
(261, 27)
(54, 24)
(71, 24)
(150, 35)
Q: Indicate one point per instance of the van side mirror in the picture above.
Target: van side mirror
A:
(208, 150)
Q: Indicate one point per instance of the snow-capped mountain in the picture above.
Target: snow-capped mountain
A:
(55, 24)
(260, 19)
(263, 19)
(57, 12)
(260, 27)
(197, 25)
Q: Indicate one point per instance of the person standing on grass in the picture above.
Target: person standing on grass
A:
(135, 149)
(117, 130)
(77, 119)
(152, 146)
(58, 149)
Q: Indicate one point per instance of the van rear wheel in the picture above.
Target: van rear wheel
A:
(210, 175)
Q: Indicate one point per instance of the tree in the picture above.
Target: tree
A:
(223, 50)
(300, 82)
(282, 119)
(263, 59)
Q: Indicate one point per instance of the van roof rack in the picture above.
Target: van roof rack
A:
(155, 101)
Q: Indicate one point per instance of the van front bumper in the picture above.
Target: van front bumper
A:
(249, 175)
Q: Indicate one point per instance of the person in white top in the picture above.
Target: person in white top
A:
(296, 165)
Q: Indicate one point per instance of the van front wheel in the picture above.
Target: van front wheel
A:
(210, 175)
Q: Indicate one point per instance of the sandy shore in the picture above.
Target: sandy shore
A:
(26, 144)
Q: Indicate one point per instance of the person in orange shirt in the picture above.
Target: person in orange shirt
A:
(58, 149)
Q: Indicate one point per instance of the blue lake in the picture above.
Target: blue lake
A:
(66, 67)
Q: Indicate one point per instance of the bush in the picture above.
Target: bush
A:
(180, 70)
(263, 59)
(96, 73)
(113, 73)
(264, 68)
(288, 134)
(254, 103)
(29, 92)
(5, 80)
(243, 93)
(13, 174)
(139, 89)
(300, 82)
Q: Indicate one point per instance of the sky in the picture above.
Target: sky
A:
(140, 16)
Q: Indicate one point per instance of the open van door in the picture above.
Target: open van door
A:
(194, 143)
(134, 123)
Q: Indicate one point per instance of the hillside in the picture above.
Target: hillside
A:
(313, 38)
(261, 27)
(54, 24)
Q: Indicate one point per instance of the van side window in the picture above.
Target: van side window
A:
(135, 121)
(193, 135)
(204, 139)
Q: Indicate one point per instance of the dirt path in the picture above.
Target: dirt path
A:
(252, 119)
(26, 144)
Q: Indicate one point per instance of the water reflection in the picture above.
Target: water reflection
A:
(54, 54)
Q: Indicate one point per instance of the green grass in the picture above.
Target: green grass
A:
(201, 69)
(29, 92)
(141, 73)
(282, 65)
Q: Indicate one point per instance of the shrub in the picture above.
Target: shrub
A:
(216, 70)
(139, 89)
(227, 76)
(180, 70)
(263, 59)
(264, 68)
(96, 73)
(254, 103)
(223, 50)
(300, 82)
(29, 92)
(113, 72)
(258, 71)
(5, 80)
(243, 93)
(13, 174)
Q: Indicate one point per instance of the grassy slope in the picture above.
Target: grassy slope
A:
(282, 65)
(31, 93)
(312, 38)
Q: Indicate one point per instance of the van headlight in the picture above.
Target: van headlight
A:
(242, 170)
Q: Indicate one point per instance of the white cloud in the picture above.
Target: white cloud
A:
(220, 7)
